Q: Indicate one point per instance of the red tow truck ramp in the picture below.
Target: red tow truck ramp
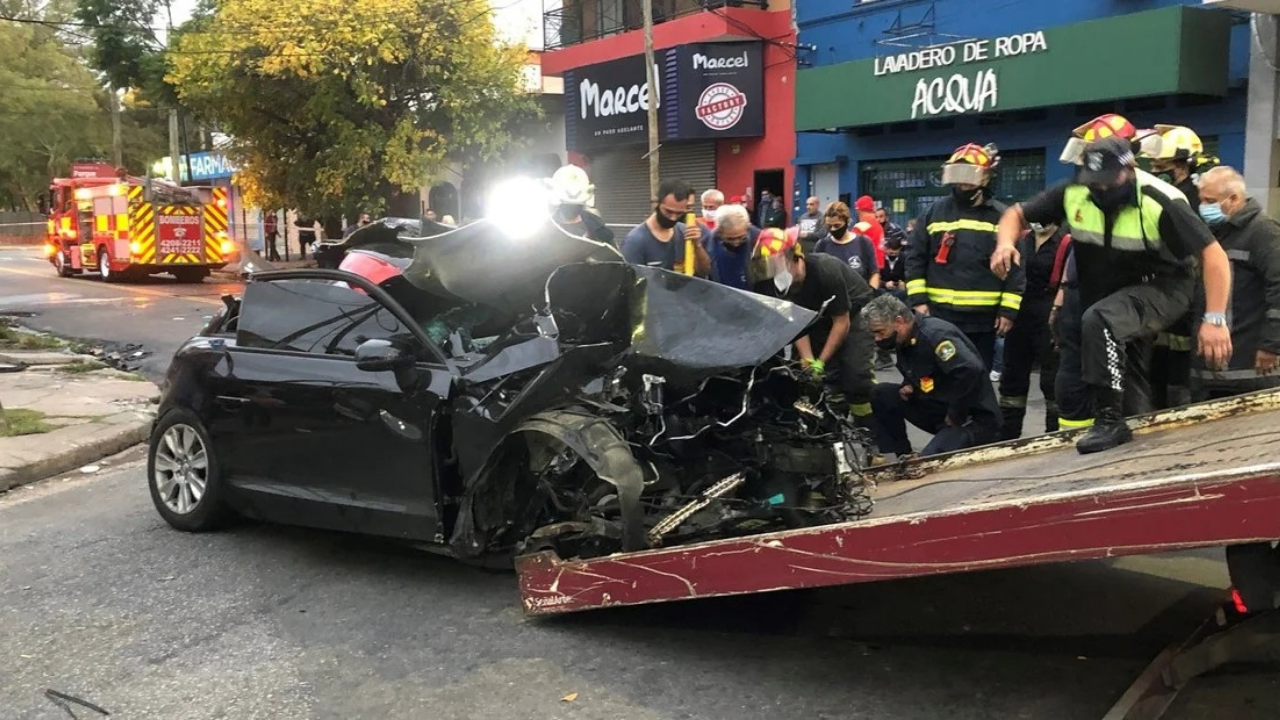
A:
(1201, 476)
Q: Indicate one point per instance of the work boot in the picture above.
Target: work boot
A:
(1109, 427)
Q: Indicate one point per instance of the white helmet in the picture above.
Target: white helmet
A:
(571, 186)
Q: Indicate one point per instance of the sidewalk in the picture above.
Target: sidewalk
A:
(73, 410)
(233, 269)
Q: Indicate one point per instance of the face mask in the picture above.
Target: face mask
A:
(664, 222)
(889, 343)
(1213, 213)
(838, 231)
(967, 198)
(1113, 197)
(708, 214)
(569, 212)
(782, 281)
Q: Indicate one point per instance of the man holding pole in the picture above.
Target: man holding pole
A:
(665, 237)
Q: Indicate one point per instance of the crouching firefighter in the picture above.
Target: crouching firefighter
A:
(945, 389)
(837, 347)
(1132, 235)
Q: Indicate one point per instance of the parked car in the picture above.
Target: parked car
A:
(487, 395)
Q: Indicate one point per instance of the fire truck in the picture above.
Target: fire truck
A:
(104, 221)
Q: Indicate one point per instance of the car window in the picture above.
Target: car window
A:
(319, 317)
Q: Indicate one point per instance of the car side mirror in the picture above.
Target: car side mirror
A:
(380, 356)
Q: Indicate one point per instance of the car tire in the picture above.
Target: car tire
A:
(190, 275)
(104, 267)
(183, 474)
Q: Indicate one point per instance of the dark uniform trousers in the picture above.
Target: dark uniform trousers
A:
(852, 368)
(1029, 342)
(1134, 313)
(893, 413)
(1075, 408)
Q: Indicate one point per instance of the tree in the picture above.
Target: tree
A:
(332, 104)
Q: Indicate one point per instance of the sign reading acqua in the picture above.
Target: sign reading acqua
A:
(960, 92)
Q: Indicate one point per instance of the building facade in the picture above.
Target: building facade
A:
(725, 76)
(888, 88)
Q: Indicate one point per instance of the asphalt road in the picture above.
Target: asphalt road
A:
(99, 599)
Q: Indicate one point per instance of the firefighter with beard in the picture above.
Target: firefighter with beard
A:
(948, 259)
(571, 194)
(837, 347)
(1132, 236)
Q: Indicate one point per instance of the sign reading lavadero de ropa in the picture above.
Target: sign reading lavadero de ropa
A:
(1135, 55)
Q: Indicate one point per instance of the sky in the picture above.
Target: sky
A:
(518, 20)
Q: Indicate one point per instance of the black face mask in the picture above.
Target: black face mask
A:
(967, 198)
(1112, 198)
(664, 222)
(889, 343)
(569, 212)
(838, 231)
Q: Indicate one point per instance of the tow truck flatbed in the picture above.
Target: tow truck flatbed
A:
(1201, 476)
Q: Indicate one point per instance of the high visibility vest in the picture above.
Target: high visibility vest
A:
(1136, 227)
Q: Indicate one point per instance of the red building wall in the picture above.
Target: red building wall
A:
(736, 159)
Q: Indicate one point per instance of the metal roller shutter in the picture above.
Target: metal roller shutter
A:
(621, 177)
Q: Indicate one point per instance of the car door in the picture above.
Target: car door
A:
(325, 443)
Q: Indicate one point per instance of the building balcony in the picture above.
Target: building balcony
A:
(571, 22)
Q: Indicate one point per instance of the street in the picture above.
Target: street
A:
(102, 601)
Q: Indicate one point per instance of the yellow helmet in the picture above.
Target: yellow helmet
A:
(1103, 126)
(1172, 142)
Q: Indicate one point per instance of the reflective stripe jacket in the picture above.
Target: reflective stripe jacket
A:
(949, 265)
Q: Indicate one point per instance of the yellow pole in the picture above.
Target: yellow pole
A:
(690, 220)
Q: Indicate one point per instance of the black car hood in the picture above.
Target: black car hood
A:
(483, 264)
(673, 324)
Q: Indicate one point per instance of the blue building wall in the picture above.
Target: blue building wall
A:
(842, 34)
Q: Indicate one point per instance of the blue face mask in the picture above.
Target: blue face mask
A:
(1212, 213)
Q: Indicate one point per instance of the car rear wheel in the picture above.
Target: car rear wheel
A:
(183, 474)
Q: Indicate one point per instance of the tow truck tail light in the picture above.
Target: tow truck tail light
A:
(1238, 601)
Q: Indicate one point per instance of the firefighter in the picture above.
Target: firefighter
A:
(572, 194)
(1174, 150)
(1030, 341)
(1075, 410)
(948, 270)
(837, 347)
(1132, 235)
(944, 391)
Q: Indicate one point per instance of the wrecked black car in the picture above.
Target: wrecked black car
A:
(486, 395)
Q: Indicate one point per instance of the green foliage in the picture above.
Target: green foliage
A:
(334, 104)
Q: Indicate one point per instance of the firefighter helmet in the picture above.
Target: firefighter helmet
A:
(771, 258)
(970, 164)
(1103, 126)
(1171, 142)
(571, 186)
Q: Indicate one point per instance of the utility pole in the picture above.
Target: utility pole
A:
(652, 94)
(117, 144)
(174, 150)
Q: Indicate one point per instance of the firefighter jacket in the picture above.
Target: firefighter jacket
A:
(942, 364)
(1252, 243)
(949, 265)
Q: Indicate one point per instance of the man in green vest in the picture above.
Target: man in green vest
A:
(1134, 237)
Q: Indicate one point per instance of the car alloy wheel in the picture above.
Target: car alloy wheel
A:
(181, 469)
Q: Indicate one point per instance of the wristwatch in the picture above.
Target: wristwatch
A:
(1219, 319)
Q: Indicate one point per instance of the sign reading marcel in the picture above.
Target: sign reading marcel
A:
(704, 90)
(959, 92)
(721, 90)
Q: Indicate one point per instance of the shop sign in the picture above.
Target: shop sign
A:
(1157, 52)
(704, 90)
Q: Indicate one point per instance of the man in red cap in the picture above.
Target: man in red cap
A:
(866, 208)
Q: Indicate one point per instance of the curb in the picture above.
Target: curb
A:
(125, 435)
